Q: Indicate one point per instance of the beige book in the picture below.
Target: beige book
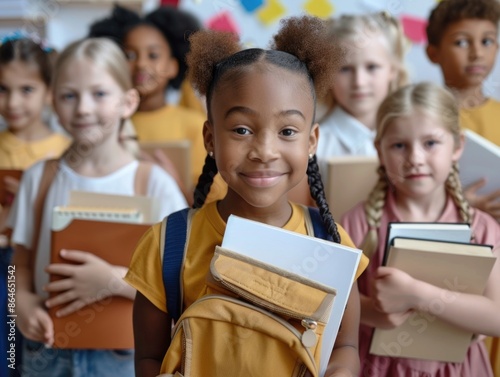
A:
(457, 267)
(179, 152)
(350, 180)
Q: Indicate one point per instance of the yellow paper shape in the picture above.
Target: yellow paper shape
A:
(271, 12)
(319, 8)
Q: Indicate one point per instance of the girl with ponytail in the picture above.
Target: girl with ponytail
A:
(260, 136)
(419, 143)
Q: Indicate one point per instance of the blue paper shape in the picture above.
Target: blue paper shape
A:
(251, 5)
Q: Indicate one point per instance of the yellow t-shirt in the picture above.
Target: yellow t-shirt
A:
(145, 272)
(173, 123)
(483, 120)
(19, 154)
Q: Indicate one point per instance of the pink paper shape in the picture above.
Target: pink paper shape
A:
(223, 21)
(414, 28)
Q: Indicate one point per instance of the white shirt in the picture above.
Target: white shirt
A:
(161, 186)
(340, 134)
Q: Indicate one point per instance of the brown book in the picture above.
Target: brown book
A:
(179, 152)
(458, 267)
(349, 181)
(4, 194)
(105, 324)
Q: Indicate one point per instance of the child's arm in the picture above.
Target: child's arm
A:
(151, 336)
(396, 291)
(344, 361)
(90, 280)
(33, 320)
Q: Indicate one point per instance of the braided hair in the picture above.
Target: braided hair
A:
(302, 45)
(431, 99)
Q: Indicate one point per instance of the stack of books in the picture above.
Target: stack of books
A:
(440, 254)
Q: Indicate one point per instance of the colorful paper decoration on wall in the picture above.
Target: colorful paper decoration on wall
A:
(251, 5)
(319, 8)
(173, 3)
(414, 28)
(223, 21)
(271, 12)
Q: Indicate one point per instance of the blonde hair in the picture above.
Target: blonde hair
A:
(105, 53)
(358, 27)
(433, 100)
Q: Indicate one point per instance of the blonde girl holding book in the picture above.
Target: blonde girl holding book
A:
(419, 142)
(93, 96)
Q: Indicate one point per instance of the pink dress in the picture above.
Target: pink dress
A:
(486, 231)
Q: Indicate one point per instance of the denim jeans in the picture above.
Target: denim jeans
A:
(41, 361)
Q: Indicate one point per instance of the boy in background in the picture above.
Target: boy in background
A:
(463, 40)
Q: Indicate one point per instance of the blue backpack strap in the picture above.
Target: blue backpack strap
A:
(173, 255)
(318, 225)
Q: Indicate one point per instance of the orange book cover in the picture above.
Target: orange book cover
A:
(105, 324)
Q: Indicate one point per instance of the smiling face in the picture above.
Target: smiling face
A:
(364, 76)
(418, 153)
(90, 103)
(150, 60)
(261, 135)
(23, 95)
(466, 53)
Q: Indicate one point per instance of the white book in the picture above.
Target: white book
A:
(325, 262)
(449, 232)
(480, 159)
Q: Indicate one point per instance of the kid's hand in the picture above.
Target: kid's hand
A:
(489, 203)
(90, 280)
(33, 319)
(392, 320)
(393, 291)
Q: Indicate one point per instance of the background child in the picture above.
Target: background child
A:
(93, 96)
(156, 46)
(419, 143)
(261, 137)
(463, 41)
(25, 76)
(370, 50)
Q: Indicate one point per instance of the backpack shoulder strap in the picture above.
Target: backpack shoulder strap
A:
(173, 256)
(141, 179)
(318, 226)
(49, 172)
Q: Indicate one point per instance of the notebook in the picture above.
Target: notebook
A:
(4, 194)
(111, 234)
(179, 152)
(480, 159)
(350, 180)
(323, 261)
(454, 266)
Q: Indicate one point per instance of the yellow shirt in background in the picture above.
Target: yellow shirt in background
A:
(207, 230)
(174, 123)
(483, 120)
(20, 154)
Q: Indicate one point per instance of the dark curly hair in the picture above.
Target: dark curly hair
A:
(174, 24)
(302, 45)
(450, 11)
(29, 52)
